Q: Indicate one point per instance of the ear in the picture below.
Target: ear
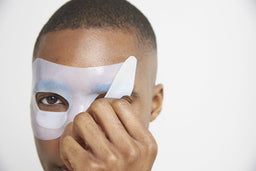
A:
(157, 101)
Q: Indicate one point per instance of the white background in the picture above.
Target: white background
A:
(207, 52)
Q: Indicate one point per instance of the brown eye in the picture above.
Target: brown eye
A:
(51, 102)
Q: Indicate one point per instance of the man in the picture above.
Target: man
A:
(88, 36)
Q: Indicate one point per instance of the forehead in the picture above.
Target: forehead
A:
(88, 48)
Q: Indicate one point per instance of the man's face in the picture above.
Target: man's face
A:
(90, 48)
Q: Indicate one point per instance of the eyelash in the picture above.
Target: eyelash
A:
(127, 98)
(44, 100)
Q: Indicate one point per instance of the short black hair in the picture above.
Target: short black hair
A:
(113, 14)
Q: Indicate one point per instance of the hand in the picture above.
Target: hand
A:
(108, 137)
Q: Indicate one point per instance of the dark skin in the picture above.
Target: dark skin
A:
(113, 133)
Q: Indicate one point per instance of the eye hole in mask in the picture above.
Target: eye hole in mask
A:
(52, 102)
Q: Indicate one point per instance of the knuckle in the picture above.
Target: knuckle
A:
(132, 155)
(98, 103)
(120, 102)
(81, 118)
(111, 159)
(95, 166)
(65, 141)
(152, 147)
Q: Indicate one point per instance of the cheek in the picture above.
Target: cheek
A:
(142, 109)
(142, 104)
(48, 152)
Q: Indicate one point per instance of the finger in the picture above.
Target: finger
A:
(73, 155)
(85, 128)
(68, 130)
(135, 128)
(103, 112)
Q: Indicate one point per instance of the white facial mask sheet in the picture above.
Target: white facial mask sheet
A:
(79, 86)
